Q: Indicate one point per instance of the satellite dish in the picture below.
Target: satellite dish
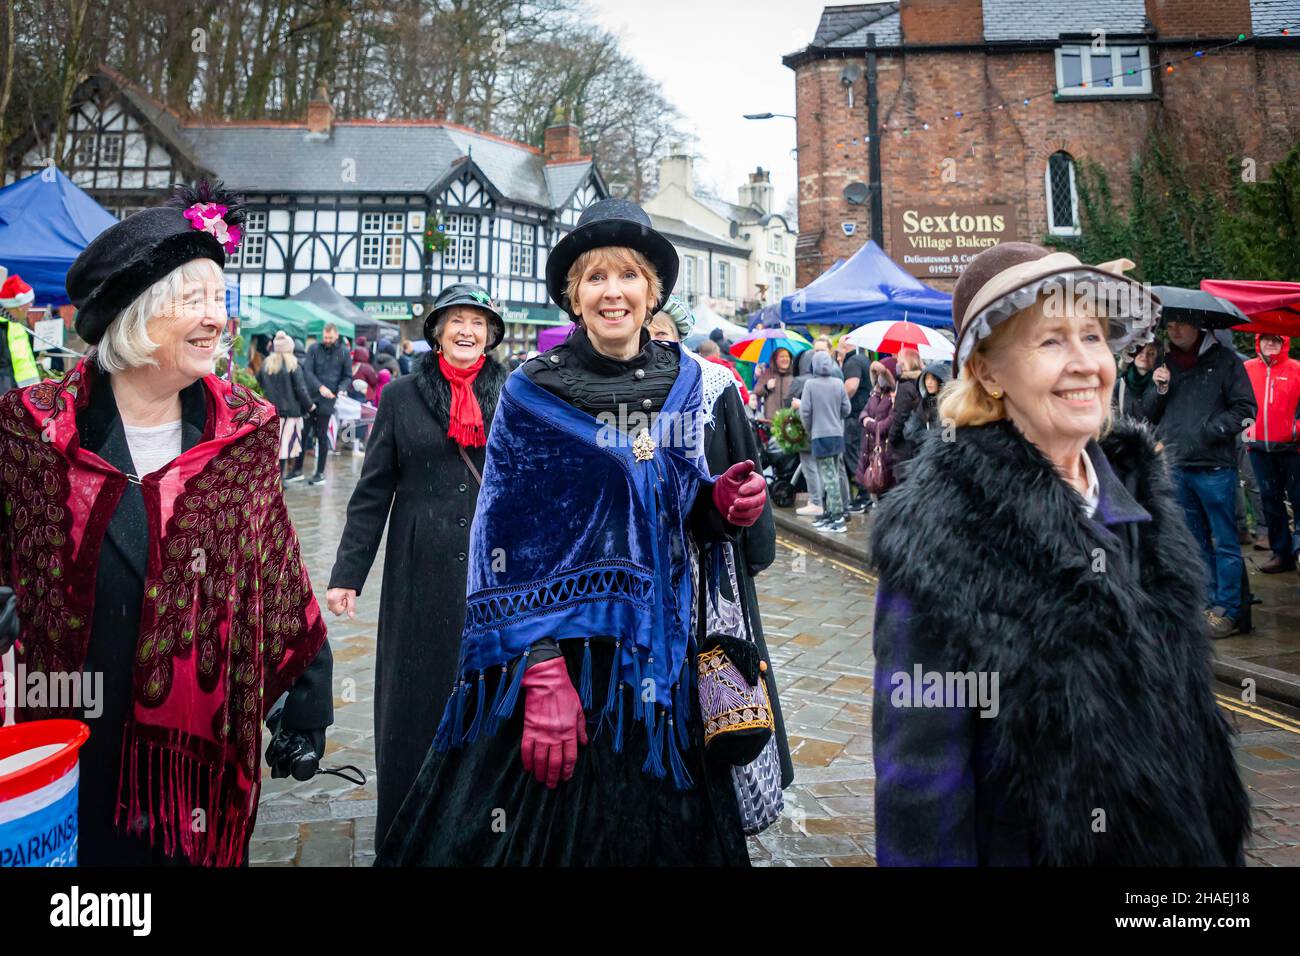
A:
(735, 229)
(849, 75)
(856, 193)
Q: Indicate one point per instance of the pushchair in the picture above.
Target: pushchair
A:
(780, 468)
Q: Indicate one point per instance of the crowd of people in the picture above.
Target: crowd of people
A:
(571, 665)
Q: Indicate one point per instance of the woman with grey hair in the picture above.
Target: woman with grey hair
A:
(423, 461)
(152, 554)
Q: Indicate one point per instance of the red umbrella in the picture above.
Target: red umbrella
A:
(1273, 307)
(893, 337)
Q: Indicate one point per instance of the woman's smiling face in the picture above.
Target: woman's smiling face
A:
(1056, 373)
(187, 328)
(612, 302)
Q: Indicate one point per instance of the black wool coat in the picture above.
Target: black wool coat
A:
(414, 469)
(1105, 745)
(907, 400)
(287, 391)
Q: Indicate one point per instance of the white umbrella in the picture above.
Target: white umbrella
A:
(706, 320)
(891, 337)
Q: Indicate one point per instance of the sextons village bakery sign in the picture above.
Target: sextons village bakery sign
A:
(933, 242)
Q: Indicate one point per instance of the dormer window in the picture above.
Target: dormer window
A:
(1084, 70)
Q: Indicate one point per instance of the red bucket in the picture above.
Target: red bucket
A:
(38, 792)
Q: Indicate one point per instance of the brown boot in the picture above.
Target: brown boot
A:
(1261, 542)
(1277, 565)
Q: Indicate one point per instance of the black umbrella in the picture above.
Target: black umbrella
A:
(1201, 309)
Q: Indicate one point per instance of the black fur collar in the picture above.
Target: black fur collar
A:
(436, 390)
(1106, 695)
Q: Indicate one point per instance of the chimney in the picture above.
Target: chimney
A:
(941, 21)
(677, 169)
(320, 115)
(561, 143)
(758, 191)
(1193, 19)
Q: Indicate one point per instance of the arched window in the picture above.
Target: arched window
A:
(1062, 197)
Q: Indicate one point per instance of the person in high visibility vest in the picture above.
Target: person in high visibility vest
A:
(17, 363)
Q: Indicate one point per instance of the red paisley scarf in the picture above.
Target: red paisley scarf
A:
(466, 426)
(228, 619)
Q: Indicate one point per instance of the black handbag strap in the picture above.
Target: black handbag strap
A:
(469, 464)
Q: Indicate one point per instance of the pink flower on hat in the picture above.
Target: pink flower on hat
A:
(209, 217)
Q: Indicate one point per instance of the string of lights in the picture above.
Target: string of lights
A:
(1168, 65)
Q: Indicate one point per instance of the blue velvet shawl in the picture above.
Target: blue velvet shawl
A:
(575, 538)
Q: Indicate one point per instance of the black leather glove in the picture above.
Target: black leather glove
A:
(8, 618)
(295, 753)
(292, 753)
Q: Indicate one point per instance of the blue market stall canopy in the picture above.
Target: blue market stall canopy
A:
(45, 222)
(868, 287)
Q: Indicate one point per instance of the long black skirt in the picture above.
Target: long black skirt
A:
(477, 807)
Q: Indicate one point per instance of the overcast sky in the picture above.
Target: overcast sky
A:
(718, 59)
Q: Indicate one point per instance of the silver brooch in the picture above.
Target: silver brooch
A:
(643, 447)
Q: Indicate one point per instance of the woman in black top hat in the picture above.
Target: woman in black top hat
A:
(422, 460)
(569, 764)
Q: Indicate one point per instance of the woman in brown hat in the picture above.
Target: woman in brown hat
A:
(1043, 687)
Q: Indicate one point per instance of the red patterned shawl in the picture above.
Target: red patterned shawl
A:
(228, 622)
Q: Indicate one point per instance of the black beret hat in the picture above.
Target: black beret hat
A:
(125, 259)
(611, 222)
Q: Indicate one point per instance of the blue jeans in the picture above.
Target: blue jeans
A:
(1278, 475)
(1209, 500)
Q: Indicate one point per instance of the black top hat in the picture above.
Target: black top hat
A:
(611, 222)
(128, 257)
(466, 293)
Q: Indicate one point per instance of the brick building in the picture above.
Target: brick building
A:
(988, 106)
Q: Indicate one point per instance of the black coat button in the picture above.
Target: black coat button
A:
(639, 373)
(461, 487)
(461, 556)
(462, 522)
(647, 404)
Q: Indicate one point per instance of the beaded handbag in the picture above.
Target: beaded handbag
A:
(739, 726)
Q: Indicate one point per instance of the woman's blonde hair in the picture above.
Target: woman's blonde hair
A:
(126, 343)
(964, 402)
(276, 362)
(666, 323)
(909, 360)
(620, 257)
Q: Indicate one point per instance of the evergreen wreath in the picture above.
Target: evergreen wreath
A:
(788, 430)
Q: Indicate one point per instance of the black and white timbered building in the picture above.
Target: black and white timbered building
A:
(348, 201)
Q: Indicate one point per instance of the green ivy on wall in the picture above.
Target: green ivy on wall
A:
(1180, 231)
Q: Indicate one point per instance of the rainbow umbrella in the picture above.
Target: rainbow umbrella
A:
(760, 346)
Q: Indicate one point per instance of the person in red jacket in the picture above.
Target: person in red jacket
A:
(1274, 439)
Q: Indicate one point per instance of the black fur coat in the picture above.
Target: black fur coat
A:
(1107, 747)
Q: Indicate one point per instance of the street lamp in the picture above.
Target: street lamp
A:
(763, 116)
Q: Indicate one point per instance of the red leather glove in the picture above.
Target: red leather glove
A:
(554, 723)
(739, 493)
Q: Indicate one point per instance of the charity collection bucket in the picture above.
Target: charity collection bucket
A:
(38, 792)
